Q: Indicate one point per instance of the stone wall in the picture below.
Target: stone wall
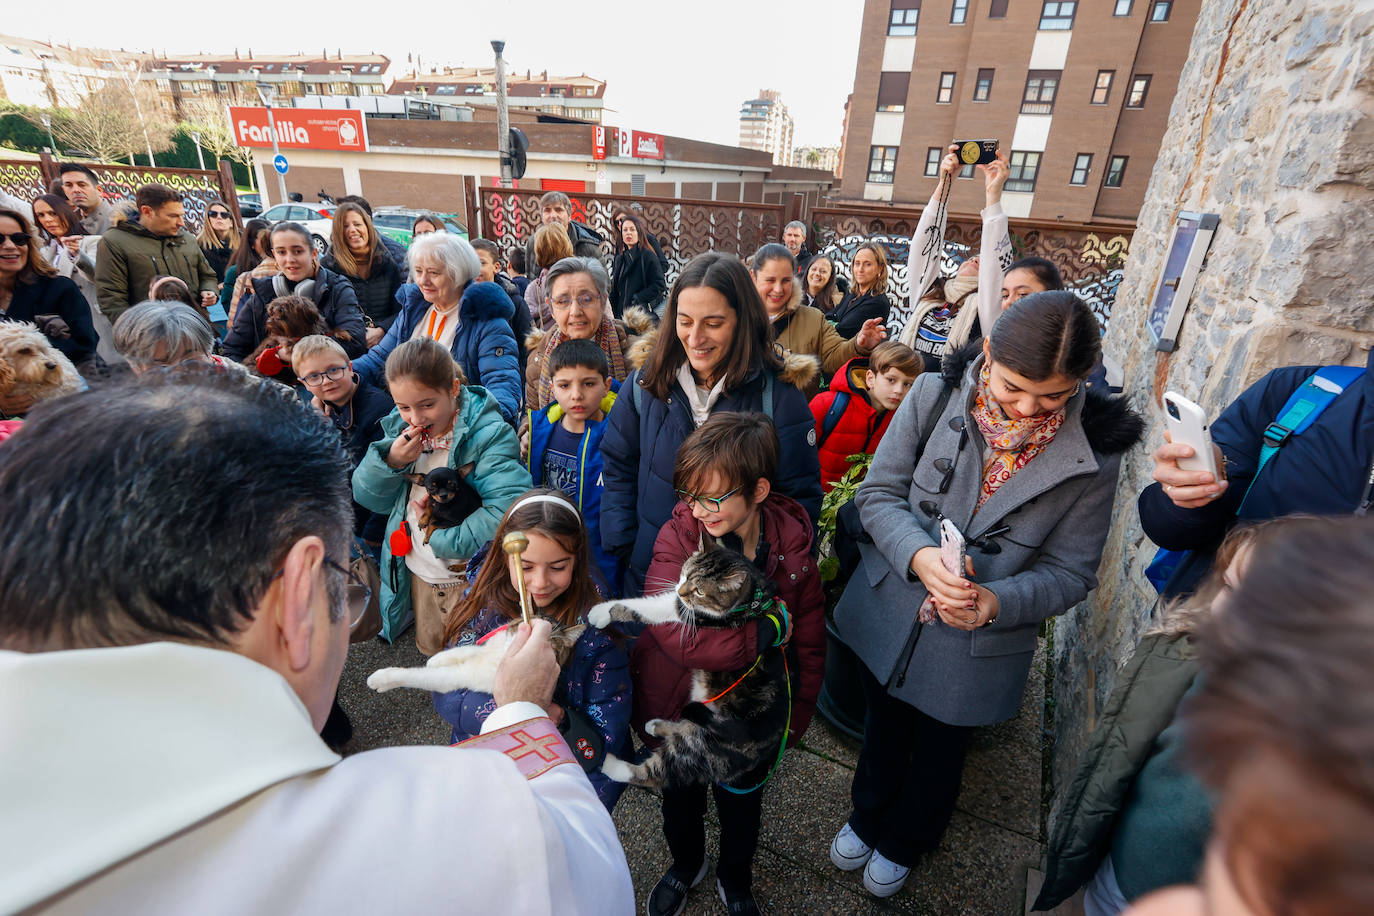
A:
(1273, 129)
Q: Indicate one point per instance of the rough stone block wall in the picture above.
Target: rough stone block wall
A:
(1273, 129)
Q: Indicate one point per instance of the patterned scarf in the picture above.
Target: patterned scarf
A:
(605, 337)
(1011, 443)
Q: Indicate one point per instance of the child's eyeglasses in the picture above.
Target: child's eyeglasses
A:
(316, 379)
(712, 503)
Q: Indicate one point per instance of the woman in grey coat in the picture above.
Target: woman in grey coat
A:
(1013, 449)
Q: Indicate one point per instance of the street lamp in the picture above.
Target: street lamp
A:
(502, 115)
(266, 91)
(47, 124)
(200, 155)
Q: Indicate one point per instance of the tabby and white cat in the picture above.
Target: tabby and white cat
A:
(736, 721)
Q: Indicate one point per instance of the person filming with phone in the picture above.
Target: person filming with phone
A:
(1005, 468)
(1300, 440)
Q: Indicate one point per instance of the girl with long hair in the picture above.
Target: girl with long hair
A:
(594, 687)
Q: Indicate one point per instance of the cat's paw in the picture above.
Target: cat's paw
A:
(600, 614)
(384, 679)
(653, 726)
(616, 769)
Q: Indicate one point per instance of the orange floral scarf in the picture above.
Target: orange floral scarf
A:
(1011, 443)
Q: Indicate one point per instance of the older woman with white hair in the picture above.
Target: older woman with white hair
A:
(578, 293)
(446, 302)
(166, 333)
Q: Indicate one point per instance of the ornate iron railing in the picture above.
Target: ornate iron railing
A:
(683, 227)
(22, 178)
(1090, 258)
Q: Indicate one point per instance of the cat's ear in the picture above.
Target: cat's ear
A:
(705, 541)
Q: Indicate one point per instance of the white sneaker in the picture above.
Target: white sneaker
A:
(883, 878)
(847, 851)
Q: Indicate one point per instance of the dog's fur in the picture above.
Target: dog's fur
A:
(733, 737)
(451, 498)
(470, 667)
(31, 368)
(289, 318)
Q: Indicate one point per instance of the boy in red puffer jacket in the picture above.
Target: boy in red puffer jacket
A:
(723, 477)
(853, 414)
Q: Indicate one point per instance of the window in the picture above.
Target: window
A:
(1057, 15)
(1102, 89)
(933, 156)
(892, 89)
(997, 9)
(1159, 12)
(882, 164)
(958, 14)
(1123, 7)
(966, 172)
(1082, 165)
(904, 15)
(1116, 172)
(1041, 87)
(1024, 167)
(1140, 87)
(945, 95)
(983, 88)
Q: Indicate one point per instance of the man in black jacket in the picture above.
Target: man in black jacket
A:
(794, 237)
(556, 207)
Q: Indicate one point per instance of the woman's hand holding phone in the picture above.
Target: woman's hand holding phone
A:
(1186, 489)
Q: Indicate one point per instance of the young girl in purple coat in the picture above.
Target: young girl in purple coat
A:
(593, 695)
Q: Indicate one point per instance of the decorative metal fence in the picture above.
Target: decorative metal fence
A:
(1089, 258)
(27, 178)
(683, 227)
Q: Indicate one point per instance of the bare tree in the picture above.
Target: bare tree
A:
(108, 126)
(207, 118)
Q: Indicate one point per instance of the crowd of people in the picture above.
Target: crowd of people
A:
(268, 438)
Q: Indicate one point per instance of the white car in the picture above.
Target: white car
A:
(317, 219)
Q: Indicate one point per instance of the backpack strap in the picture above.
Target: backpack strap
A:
(768, 394)
(1301, 410)
(832, 416)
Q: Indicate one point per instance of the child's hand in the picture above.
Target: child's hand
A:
(406, 448)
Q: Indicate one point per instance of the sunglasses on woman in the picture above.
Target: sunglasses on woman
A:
(219, 214)
(20, 239)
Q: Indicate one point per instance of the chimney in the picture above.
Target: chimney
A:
(236, 54)
(544, 76)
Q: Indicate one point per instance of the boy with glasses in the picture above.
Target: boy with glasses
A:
(723, 479)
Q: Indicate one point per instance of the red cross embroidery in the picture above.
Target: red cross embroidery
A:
(544, 747)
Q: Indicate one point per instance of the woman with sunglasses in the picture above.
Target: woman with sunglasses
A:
(218, 237)
(1021, 458)
(31, 290)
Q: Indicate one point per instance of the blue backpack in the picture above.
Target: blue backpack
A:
(1301, 410)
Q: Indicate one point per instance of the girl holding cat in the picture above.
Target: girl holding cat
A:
(1021, 457)
(594, 689)
(438, 421)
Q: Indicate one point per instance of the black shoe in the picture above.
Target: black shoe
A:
(338, 729)
(738, 903)
(669, 896)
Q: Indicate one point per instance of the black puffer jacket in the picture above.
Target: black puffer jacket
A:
(332, 295)
(377, 292)
(849, 316)
(636, 279)
(218, 256)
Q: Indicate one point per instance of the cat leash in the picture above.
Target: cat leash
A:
(787, 679)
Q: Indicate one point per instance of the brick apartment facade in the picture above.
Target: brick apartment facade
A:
(1078, 93)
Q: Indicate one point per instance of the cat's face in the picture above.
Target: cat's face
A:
(717, 584)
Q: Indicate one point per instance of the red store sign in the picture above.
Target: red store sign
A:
(648, 146)
(627, 144)
(341, 129)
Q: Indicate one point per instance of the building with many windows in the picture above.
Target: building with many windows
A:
(56, 76)
(231, 79)
(581, 97)
(1077, 94)
(817, 157)
(764, 124)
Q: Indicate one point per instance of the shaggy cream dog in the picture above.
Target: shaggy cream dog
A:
(31, 369)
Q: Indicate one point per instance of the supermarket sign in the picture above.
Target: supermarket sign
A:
(628, 144)
(339, 129)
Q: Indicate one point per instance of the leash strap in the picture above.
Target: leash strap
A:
(782, 745)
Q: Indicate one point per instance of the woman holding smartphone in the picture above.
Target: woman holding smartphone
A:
(1017, 454)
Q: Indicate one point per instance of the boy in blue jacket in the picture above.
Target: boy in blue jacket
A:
(565, 439)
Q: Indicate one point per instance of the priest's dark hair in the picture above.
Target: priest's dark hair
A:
(176, 497)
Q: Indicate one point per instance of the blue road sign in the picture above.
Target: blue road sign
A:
(279, 163)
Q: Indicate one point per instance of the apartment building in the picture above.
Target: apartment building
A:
(232, 79)
(53, 75)
(817, 157)
(1077, 93)
(581, 97)
(764, 124)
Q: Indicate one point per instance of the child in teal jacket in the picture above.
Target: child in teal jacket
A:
(438, 421)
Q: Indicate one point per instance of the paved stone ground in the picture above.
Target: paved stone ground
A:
(980, 869)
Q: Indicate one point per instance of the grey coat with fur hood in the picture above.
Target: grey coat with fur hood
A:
(1050, 522)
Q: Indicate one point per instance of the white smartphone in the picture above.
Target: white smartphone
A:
(1188, 424)
(952, 547)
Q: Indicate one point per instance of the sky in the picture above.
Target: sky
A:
(681, 69)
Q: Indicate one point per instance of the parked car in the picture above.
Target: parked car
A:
(318, 220)
(395, 223)
(250, 204)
